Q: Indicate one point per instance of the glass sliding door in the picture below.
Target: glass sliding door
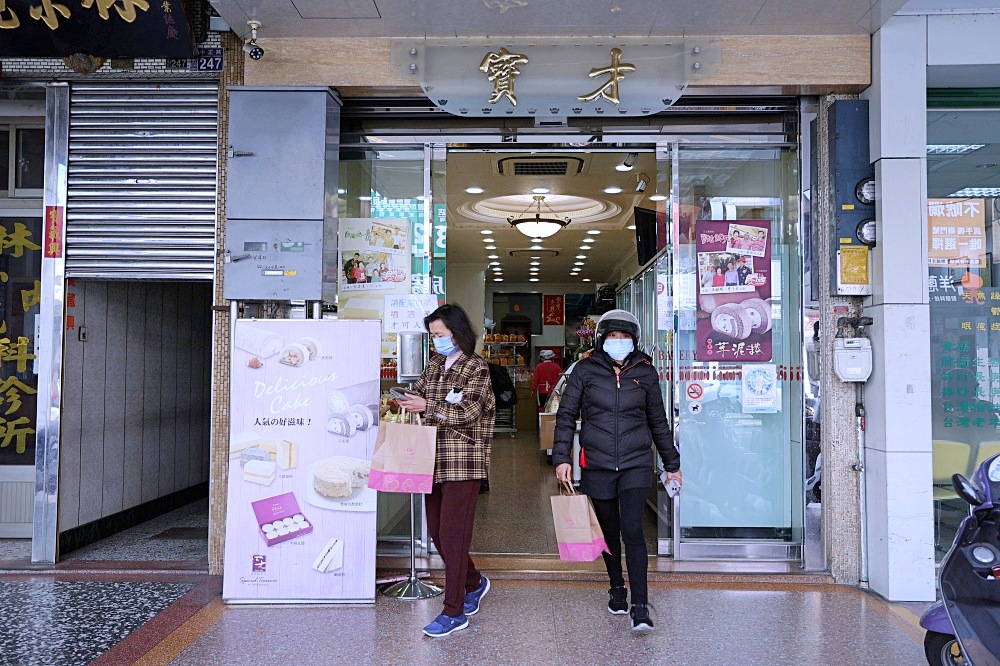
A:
(737, 350)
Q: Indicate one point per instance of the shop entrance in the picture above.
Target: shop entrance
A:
(639, 208)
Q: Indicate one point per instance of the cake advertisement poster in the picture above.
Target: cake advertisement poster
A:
(300, 518)
(734, 290)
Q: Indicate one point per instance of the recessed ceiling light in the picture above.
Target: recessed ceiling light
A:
(536, 240)
(494, 263)
(493, 256)
(589, 240)
(581, 256)
(540, 190)
(491, 247)
(498, 279)
(657, 197)
(536, 247)
(631, 226)
(613, 189)
(486, 232)
(586, 279)
(594, 232)
(535, 263)
(578, 263)
(364, 198)
(585, 247)
(622, 167)
(474, 190)
(341, 191)
(532, 279)
(534, 257)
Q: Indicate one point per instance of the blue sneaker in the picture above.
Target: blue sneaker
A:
(473, 598)
(444, 625)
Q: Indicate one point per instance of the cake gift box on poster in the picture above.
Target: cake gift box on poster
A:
(300, 519)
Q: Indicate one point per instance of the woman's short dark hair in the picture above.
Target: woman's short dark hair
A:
(456, 321)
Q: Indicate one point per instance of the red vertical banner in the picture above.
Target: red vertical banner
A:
(53, 232)
(553, 310)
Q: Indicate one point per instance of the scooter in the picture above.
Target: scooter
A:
(964, 627)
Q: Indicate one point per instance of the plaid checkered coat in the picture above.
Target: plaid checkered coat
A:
(465, 429)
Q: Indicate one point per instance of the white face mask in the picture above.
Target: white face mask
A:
(445, 346)
(618, 348)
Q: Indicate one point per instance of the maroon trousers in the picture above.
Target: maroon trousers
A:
(451, 511)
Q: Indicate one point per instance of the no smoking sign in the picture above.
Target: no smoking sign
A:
(695, 391)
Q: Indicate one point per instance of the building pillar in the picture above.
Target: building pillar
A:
(841, 494)
(899, 506)
(232, 75)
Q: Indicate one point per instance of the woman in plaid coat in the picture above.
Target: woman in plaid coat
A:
(456, 394)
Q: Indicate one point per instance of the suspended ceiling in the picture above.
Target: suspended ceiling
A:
(520, 18)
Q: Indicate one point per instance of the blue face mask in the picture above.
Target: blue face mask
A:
(618, 348)
(445, 346)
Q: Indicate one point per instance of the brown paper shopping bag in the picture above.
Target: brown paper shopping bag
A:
(578, 533)
(403, 461)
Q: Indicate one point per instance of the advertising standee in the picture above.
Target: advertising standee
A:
(300, 522)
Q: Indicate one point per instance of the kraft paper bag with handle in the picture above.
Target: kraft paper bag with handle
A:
(578, 533)
(403, 461)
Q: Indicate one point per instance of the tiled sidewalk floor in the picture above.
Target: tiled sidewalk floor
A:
(72, 619)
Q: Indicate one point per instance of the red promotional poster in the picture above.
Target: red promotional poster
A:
(734, 291)
(553, 311)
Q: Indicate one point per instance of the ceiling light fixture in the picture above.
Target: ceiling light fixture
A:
(532, 279)
(593, 232)
(581, 256)
(535, 263)
(612, 189)
(493, 256)
(498, 279)
(586, 279)
(474, 190)
(537, 225)
(631, 226)
(536, 247)
(540, 190)
(536, 240)
(578, 263)
(658, 197)
(491, 247)
(641, 181)
(486, 232)
(628, 162)
(589, 240)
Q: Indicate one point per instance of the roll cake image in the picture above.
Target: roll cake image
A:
(331, 556)
(312, 345)
(257, 341)
(294, 355)
(347, 418)
(739, 320)
(338, 476)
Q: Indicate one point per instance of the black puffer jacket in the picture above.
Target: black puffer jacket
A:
(620, 417)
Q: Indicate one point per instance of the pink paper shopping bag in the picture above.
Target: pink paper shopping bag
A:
(578, 533)
(403, 461)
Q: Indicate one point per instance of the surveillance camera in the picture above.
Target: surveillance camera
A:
(253, 50)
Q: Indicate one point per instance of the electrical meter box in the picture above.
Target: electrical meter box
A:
(852, 359)
(269, 260)
(852, 194)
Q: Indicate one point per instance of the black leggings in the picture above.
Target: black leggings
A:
(621, 520)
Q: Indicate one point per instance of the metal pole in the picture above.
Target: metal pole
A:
(859, 467)
(413, 588)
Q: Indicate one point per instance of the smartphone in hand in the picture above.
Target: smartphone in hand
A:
(672, 487)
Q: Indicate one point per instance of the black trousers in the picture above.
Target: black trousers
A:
(621, 520)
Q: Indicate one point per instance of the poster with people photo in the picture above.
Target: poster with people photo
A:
(734, 291)
(374, 258)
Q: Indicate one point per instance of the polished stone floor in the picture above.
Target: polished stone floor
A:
(92, 609)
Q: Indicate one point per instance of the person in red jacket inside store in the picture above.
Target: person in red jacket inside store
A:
(546, 375)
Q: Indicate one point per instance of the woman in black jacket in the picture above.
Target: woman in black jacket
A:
(616, 395)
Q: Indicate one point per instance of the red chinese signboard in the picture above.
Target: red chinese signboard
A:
(53, 232)
(553, 310)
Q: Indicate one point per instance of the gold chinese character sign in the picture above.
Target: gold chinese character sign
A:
(555, 78)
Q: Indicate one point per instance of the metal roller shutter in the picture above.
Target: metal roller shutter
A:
(142, 180)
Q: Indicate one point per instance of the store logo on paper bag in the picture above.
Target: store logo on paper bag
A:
(259, 564)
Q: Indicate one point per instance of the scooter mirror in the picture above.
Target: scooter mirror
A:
(966, 490)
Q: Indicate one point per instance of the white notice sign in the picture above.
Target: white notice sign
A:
(407, 312)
